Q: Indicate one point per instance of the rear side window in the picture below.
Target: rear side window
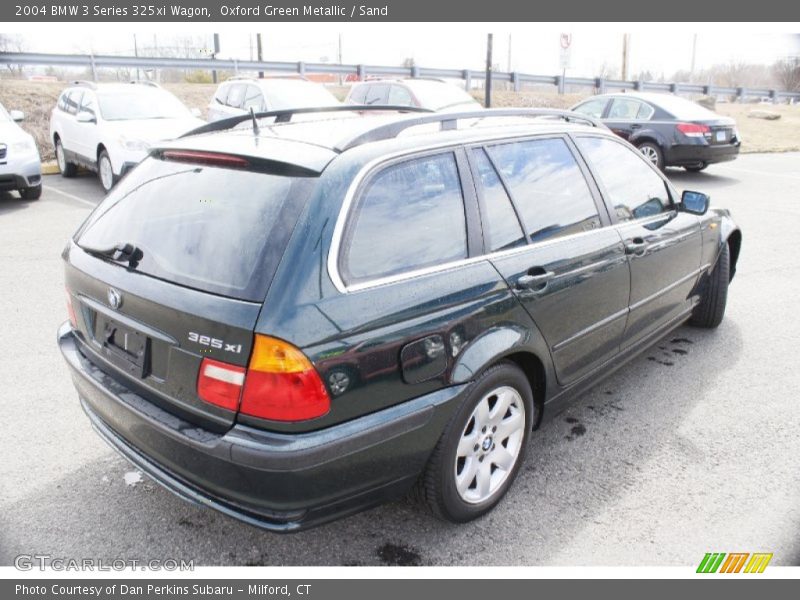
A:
(409, 216)
(400, 96)
(634, 189)
(547, 187)
(630, 109)
(501, 225)
(206, 227)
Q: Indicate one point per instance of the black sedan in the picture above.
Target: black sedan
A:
(670, 131)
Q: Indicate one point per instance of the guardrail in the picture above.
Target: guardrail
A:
(95, 61)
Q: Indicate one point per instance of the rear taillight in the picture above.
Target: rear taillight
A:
(73, 320)
(693, 129)
(282, 384)
(220, 383)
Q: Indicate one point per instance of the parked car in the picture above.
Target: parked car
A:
(329, 314)
(670, 131)
(236, 96)
(20, 165)
(109, 127)
(432, 94)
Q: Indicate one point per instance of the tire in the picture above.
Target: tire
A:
(67, 168)
(653, 153)
(711, 309)
(471, 468)
(696, 168)
(31, 193)
(105, 172)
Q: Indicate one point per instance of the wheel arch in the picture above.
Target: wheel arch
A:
(734, 241)
(521, 346)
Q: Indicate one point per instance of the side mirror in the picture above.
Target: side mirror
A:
(195, 112)
(16, 115)
(695, 203)
(85, 117)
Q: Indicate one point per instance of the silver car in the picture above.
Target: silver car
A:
(20, 165)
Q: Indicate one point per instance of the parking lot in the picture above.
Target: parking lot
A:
(693, 447)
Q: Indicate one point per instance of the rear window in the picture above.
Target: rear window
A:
(206, 227)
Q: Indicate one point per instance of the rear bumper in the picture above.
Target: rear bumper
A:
(276, 481)
(691, 154)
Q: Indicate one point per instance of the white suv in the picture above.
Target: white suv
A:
(109, 128)
(236, 96)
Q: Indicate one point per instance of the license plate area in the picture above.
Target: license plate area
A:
(124, 347)
(721, 136)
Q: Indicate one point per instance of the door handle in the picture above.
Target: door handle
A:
(636, 246)
(635, 126)
(535, 283)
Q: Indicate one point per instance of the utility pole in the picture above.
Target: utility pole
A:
(625, 48)
(136, 54)
(340, 56)
(488, 82)
(694, 56)
(214, 56)
(259, 54)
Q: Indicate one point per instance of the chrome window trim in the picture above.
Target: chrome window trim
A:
(374, 164)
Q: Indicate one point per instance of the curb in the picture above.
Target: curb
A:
(50, 168)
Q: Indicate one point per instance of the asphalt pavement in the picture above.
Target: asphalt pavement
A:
(693, 447)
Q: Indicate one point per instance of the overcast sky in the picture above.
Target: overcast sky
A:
(661, 49)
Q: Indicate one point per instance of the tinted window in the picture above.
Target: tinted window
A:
(547, 186)
(400, 96)
(205, 227)
(253, 98)
(235, 95)
(377, 94)
(592, 108)
(629, 109)
(500, 226)
(410, 215)
(633, 188)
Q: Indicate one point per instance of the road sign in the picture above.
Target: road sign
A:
(564, 58)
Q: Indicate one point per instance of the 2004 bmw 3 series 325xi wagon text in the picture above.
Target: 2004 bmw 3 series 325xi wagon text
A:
(293, 316)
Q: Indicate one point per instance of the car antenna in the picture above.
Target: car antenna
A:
(255, 122)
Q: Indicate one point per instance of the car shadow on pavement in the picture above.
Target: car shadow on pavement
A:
(686, 180)
(579, 468)
(11, 202)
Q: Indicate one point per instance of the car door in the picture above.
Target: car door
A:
(627, 115)
(566, 265)
(70, 135)
(87, 134)
(663, 244)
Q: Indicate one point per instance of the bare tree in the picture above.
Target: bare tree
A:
(10, 42)
(787, 72)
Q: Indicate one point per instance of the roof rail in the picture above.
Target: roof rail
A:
(85, 83)
(449, 121)
(284, 116)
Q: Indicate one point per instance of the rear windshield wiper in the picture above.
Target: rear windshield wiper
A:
(119, 252)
